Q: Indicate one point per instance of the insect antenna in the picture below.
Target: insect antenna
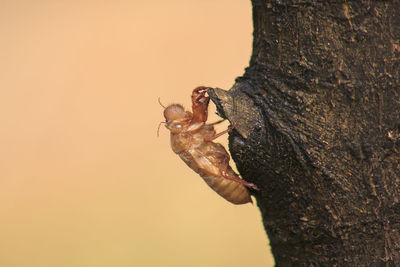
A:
(159, 101)
(158, 128)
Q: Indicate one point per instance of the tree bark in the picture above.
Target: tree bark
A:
(317, 129)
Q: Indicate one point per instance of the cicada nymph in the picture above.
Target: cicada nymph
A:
(192, 139)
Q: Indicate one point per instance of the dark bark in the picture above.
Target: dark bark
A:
(317, 117)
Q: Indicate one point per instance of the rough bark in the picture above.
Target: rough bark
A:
(317, 129)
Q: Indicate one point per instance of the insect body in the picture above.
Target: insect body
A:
(191, 139)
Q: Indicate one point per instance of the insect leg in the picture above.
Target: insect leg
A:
(200, 105)
(230, 128)
(217, 122)
(238, 180)
(198, 93)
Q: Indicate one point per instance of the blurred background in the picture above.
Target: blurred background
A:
(84, 179)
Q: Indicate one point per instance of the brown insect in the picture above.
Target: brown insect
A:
(191, 139)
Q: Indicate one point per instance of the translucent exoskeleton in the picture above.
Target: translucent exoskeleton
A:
(192, 139)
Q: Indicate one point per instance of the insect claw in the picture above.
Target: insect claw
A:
(232, 126)
(201, 91)
(252, 186)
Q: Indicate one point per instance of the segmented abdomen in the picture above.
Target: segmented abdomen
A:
(230, 190)
(211, 161)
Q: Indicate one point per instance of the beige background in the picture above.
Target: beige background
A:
(84, 180)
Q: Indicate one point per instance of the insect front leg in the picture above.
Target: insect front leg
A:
(199, 93)
(200, 104)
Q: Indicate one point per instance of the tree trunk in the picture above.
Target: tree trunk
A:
(317, 129)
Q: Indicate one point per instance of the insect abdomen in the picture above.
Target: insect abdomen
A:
(232, 191)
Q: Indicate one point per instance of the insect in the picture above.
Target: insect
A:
(192, 139)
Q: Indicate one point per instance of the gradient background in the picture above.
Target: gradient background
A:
(84, 180)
